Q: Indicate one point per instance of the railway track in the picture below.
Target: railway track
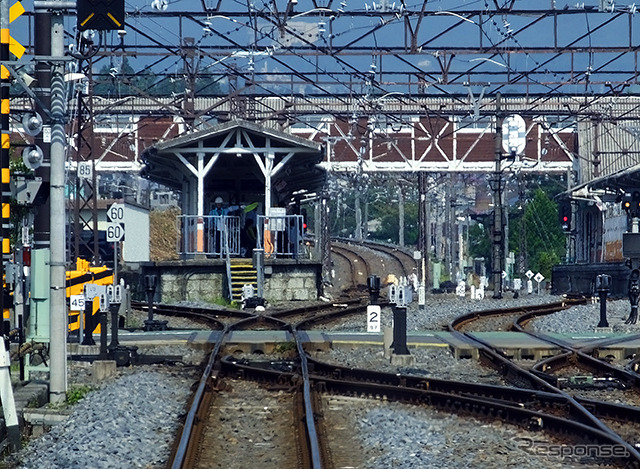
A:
(402, 263)
(624, 418)
(310, 452)
(359, 269)
(540, 405)
(537, 401)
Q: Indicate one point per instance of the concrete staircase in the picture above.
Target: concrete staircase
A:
(242, 273)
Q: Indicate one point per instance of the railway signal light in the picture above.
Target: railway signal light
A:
(564, 213)
(631, 203)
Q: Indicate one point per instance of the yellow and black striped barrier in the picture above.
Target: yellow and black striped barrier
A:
(76, 280)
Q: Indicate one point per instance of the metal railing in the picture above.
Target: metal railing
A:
(282, 236)
(218, 237)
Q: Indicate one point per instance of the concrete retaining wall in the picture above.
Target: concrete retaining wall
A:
(291, 282)
(182, 281)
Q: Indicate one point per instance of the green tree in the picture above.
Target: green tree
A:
(113, 80)
(479, 241)
(389, 216)
(544, 239)
(122, 80)
(534, 229)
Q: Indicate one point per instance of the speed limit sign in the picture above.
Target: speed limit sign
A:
(85, 170)
(115, 232)
(76, 302)
(115, 212)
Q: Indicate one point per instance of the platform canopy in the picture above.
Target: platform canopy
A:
(241, 161)
(608, 188)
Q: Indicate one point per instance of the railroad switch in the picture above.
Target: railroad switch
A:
(399, 344)
(373, 285)
(154, 325)
(253, 302)
(588, 381)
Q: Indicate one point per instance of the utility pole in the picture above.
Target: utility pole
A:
(324, 240)
(57, 212)
(497, 259)
(6, 390)
(400, 216)
(358, 202)
(424, 234)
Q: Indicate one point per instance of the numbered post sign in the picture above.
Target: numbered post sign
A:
(76, 302)
(373, 318)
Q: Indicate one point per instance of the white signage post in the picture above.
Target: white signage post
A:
(538, 278)
(115, 232)
(529, 275)
(373, 318)
(77, 303)
(85, 170)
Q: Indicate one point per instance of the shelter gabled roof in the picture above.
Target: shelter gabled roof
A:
(230, 152)
(219, 131)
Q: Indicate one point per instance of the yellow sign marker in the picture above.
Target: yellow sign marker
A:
(117, 23)
(15, 11)
(15, 47)
(87, 19)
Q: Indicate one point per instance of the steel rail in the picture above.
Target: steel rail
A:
(187, 443)
(392, 250)
(352, 258)
(312, 434)
(479, 399)
(510, 370)
(573, 355)
(181, 310)
(535, 310)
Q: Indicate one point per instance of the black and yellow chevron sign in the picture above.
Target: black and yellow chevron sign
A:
(15, 47)
(101, 15)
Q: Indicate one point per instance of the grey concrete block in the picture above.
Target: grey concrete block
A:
(402, 360)
(103, 369)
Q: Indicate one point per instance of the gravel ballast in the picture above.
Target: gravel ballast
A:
(131, 420)
(585, 318)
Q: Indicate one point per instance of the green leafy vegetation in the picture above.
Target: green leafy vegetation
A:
(76, 393)
(284, 347)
